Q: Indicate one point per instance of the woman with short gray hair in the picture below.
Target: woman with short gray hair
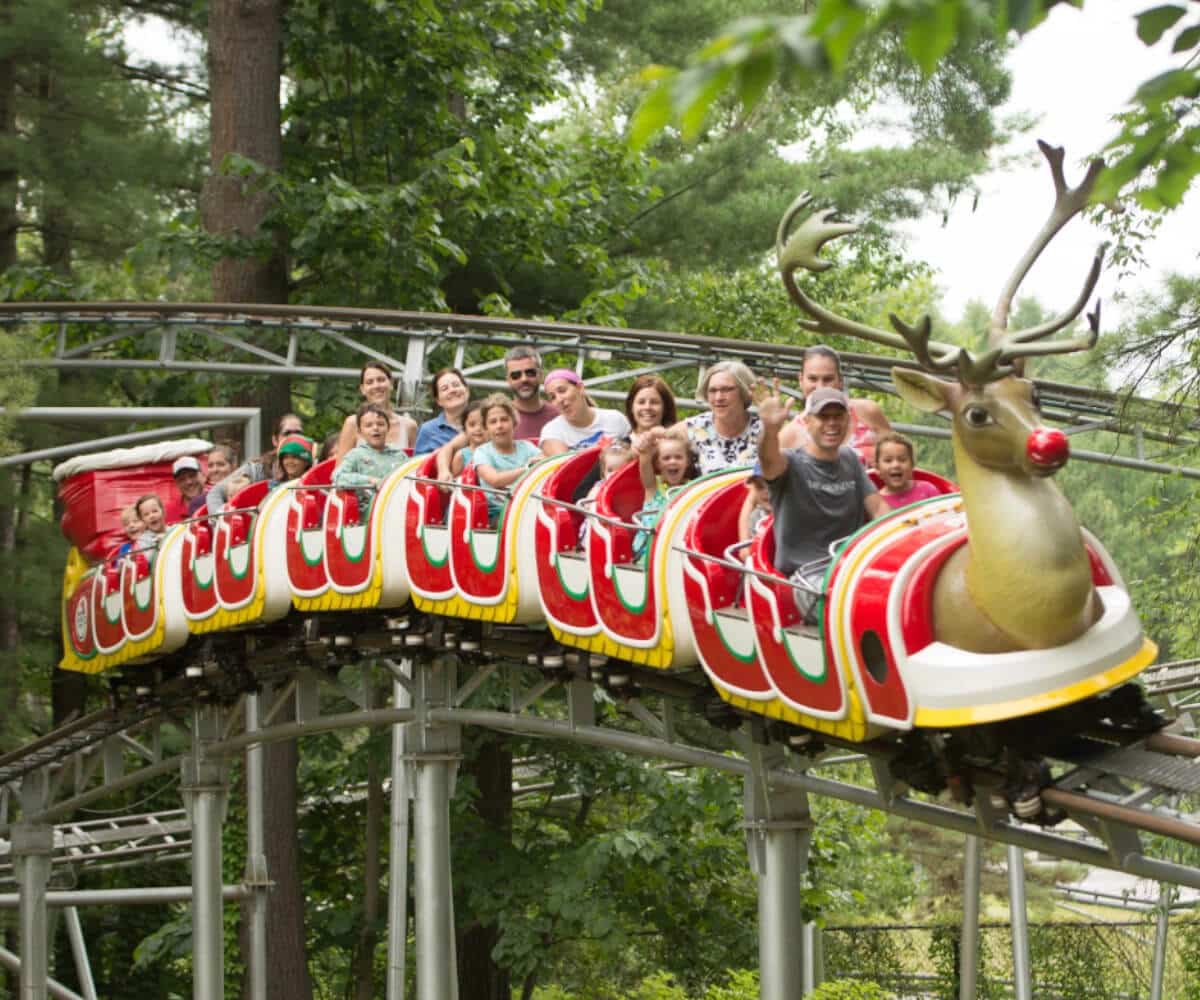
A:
(726, 434)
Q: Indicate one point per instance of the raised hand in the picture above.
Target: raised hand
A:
(773, 410)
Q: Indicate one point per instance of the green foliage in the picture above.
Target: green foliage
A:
(871, 955)
(1187, 934)
(1068, 961)
(801, 51)
(848, 989)
(1157, 151)
(17, 387)
(97, 158)
(945, 944)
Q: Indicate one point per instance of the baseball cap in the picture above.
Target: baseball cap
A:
(185, 464)
(826, 396)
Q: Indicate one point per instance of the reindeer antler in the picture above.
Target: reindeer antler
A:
(1005, 352)
(802, 249)
(1068, 202)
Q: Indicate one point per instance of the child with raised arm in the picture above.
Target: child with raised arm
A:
(894, 461)
(666, 462)
(503, 459)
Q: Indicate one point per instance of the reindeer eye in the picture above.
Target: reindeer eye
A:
(976, 416)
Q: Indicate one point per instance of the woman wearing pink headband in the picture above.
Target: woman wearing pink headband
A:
(579, 423)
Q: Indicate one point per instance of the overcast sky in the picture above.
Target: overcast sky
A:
(1074, 71)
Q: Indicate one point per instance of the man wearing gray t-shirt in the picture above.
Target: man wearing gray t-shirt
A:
(819, 492)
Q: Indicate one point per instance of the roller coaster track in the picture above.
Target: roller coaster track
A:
(1120, 799)
(1114, 787)
(284, 341)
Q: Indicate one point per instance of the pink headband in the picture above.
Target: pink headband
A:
(564, 373)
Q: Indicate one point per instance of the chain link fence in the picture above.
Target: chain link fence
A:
(1070, 961)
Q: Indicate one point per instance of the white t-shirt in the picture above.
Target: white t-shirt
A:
(606, 422)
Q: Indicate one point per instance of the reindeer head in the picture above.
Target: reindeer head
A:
(997, 424)
(994, 412)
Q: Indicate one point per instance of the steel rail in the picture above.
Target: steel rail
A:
(648, 746)
(405, 323)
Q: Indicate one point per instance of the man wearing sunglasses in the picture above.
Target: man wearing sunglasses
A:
(523, 371)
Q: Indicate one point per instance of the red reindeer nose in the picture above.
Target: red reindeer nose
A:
(1047, 447)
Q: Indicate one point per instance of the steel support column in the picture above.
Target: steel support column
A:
(778, 834)
(1162, 922)
(1022, 974)
(32, 848)
(435, 756)
(83, 968)
(54, 989)
(398, 855)
(968, 959)
(814, 958)
(204, 795)
(256, 875)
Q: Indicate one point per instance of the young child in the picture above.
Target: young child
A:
(612, 457)
(295, 454)
(757, 506)
(368, 464)
(149, 509)
(666, 463)
(894, 461)
(455, 456)
(132, 525)
(502, 459)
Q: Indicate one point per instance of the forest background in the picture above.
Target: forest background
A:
(475, 157)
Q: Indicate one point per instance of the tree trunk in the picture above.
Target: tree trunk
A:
(55, 217)
(10, 631)
(287, 963)
(245, 39)
(8, 138)
(244, 58)
(364, 959)
(479, 977)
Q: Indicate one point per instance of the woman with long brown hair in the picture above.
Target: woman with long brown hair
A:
(375, 383)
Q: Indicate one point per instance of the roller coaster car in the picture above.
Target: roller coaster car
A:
(493, 566)
(335, 539)
(641, 605)
(124, 609)
(563, 582)
(427, 536)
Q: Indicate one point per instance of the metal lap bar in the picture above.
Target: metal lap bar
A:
(328, 487)
(457, 486)
(587, 512)
(747, 571)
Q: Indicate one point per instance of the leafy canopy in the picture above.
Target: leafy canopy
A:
(1157, 151)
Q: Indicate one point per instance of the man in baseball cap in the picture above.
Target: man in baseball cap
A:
(190, 485)
(819, 492)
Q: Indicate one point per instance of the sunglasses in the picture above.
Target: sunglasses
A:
(522, 373)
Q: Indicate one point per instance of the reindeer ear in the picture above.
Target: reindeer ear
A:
(920, 390)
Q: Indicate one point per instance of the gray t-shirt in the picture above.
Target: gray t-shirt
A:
(815, 503)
